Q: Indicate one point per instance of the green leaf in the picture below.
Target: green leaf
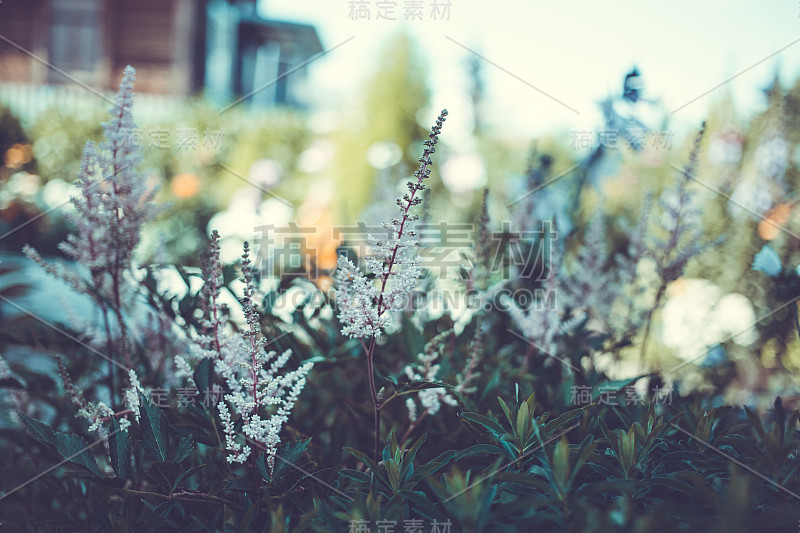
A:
(119, 444)
(288, 455)
(261, 466)
(607, 435)
(247, 519)
(153, 423)
(203, 375)
(163, 509)
(522, 421)
(587, 447)
(486, 422)
(183, 476)
(507, 411)
(410, 387)
(560, 423)
(531, 401)
(164, 474)
(432, 466)
(355, 475)
(422, 504)
(70, 446)
(755, 422)
(184, 448)
(363, 458)
(560, 465)
(408, 460)
(393, 473)
(481, 449)
(524, 479)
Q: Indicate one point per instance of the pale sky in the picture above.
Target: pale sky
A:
(577, 52)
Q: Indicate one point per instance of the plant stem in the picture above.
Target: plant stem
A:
(659, 295)
(391, 260)
(116, 271)
(526, 362)
(412, 427)
(112, 360)
(565, 504)
(374, 393)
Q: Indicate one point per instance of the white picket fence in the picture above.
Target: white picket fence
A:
(28, 102)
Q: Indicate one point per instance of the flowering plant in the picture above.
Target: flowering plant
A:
(113, 204)
(364, 301)
(250, 372)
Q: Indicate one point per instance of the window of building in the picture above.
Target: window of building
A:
(75, 37)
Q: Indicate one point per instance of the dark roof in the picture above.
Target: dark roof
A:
(302, 35)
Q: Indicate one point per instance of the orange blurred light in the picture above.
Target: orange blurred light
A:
(17, 155)
(320, 247)
(185, 185)
(777, 217)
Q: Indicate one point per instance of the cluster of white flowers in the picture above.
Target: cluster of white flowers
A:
(99, 412)
(114, 200)
(589, 280)
(543, 319)
(257, 396)
(596, 283)
(431, 399)
(211, 342)
(772, 155)
(256, 389)
(113, 203)
(132, 397)
(363, 304)
(12, 400)
(356, 297)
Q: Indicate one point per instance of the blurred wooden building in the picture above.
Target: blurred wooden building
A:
(221, 48)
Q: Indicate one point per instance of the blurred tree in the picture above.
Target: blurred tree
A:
(477, 89)
(393, 96)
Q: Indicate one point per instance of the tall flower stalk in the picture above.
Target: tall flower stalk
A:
(257, 388)
(260, 395)
(365, 300)
(681, 221)
(113, 204)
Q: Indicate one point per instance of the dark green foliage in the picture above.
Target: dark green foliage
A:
(154, 430)
(119, 446)
(69, 446)
(508, 465)
(505, 459)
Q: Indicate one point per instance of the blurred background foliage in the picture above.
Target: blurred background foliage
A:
(279, 166)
